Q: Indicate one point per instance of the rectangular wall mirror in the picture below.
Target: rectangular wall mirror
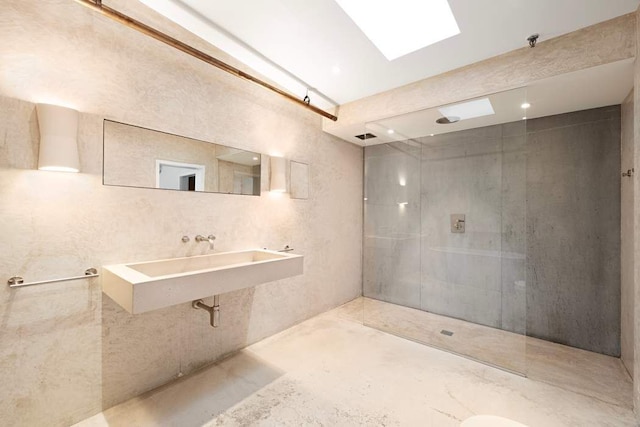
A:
(146, 158)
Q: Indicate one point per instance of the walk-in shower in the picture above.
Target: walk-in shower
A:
(494, 220)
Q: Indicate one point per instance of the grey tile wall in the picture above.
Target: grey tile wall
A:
(392, 231)
(461, 273)
(541, 251)
(573, 229)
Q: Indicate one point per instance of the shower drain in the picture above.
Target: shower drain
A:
(445, 332)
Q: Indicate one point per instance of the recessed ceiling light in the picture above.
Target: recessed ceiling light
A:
(255, 158)
(524, 118)
(431, 134)
(525, 105)
(400, 27)
(390, 131)
(468, 110)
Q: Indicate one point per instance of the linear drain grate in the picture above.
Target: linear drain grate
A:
(445, 332)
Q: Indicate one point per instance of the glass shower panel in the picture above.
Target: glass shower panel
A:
(461, 263)
(392, 229)
(445, 265)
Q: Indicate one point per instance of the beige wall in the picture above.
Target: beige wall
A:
(67, 351)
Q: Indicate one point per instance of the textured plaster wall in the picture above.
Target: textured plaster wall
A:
(66, 350)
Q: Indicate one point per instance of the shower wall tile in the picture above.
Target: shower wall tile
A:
(67, 351)
(461, 273)
(473, 269)
(573, 229)
(391, 269)
(627, 237)
(514, 296)
(540, 254)
(514, 193)
(473, 304)
(514, 238)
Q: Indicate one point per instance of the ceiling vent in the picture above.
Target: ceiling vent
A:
(366, 136)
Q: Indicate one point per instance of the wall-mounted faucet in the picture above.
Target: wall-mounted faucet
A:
(210, 238)
(457, 223)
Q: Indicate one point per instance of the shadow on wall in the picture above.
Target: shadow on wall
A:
(143, 351)
(200, 397)
(31, 325)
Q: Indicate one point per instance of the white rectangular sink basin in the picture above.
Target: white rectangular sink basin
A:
(146, 286)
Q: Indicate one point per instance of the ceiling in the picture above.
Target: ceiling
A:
(607, 84)
(314, 43)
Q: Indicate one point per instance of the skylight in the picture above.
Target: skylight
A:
(468, 110)
(400, 27)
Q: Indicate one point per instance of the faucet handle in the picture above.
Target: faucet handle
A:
(210, 238)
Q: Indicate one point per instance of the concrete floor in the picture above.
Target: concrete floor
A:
(331, 370)
(560, 365)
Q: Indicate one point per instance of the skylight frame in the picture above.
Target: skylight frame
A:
(468, 110)
(400, 27)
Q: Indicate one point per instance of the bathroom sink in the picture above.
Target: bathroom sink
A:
(146, 286)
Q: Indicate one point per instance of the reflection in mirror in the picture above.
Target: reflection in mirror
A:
(139, 157)
(299, 180)
(179, 176)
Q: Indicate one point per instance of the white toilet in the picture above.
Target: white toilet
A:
(490, 421)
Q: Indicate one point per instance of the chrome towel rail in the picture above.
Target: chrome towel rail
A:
(17, 281)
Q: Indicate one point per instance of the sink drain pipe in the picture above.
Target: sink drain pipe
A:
(214, 310)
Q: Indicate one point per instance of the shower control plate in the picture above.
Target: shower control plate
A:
(457, 223)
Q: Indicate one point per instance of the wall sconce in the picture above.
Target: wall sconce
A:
(58, 138)
(278, 181)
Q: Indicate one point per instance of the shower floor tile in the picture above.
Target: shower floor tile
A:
(581, 371)
(332, 370)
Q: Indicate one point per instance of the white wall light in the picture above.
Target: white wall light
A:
(58, 138)
(278, 181)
